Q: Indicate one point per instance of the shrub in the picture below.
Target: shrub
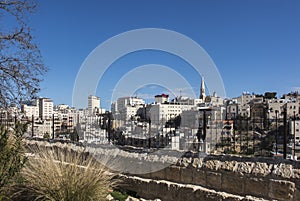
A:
(12, 157)
(64, 175)
(120, 196)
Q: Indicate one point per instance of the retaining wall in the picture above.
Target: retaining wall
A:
(215, 177)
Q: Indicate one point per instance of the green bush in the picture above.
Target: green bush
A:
(117, 195)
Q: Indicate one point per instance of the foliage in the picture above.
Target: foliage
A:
(65, 175)
(46, 135)
(174, 122)
(12, 157)
(267, 142)
(74, 136)
(21, 66)
(117, 195)
(270, 95)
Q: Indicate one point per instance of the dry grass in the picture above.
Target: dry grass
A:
(64, 175)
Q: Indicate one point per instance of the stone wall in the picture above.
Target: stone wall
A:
(264, 178)
(239, 178)
(170, 191)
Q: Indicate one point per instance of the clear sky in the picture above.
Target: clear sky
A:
(255, 44)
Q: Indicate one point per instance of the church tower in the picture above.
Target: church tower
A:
(202, 90)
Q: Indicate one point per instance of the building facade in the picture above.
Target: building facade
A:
(93, 105)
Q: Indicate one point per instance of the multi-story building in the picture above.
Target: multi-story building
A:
(93, 105)
(161, 113)
(30, 109)
(126, 107)
(293, 108)
(68, 117)
(245, 98)
(294, 126)
(187, 101)
(45, 108)
(241, 106)
(275, 107)
(216, 100)
(163, 98)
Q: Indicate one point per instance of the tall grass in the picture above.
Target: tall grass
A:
(64, 175)
(12, 158)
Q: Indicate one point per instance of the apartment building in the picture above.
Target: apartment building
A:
(93, 105)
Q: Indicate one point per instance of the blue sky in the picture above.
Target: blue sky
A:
(254, 44)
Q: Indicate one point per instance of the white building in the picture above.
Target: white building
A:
(216, 100)
(187, 101)
(42, 128)
(68, 117)
(245, 98)
(93, 105)
(45, 108)
(29, 110)
(293, 107)
(163, 98)
(295, 130)
(240, 106)
(161, 113)
(126, 107)
(275, 106)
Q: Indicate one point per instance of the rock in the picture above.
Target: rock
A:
(129, 198)
(284, 170)
(212, 164)
(109, 198)
(262, 169)
(228, 166)
(244, 168)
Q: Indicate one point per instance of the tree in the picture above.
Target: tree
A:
(174, 122)
(21, 66)
(270, 95)
(74, 136)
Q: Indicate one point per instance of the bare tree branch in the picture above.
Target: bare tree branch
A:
(21, 65)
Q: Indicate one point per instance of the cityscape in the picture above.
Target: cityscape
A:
(251, 124)
(149, 100)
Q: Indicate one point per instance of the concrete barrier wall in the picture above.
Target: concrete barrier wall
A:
(240, 176)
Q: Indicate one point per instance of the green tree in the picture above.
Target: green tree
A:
(21, 66)
(74, 136)
(270, 95)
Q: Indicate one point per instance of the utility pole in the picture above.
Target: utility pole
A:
(294, 135)
(32, 125)
(276, 134)
(53, 128)
(247, 134)
(204, 126)
(285, 133)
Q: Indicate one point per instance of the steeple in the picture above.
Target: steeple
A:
(202, 90)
